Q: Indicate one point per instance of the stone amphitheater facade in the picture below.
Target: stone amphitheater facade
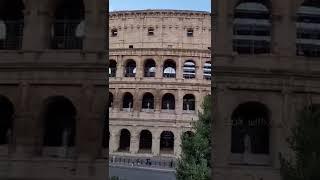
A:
(266, 69)
(52, 80)
(159, 72)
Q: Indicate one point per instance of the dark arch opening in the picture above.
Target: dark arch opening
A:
(68, 25)
(112, 68)
(167, 142)
(110, 100)
(145, 143)
(168, 102)
(127, 102)
(189, 102)
(11, 24)
(169, 69)
(59, 122)
(250, 120)
(130, 69)
(252, 27)
(149, 68)
(308, 29)
(6, 120)
(125, 137)
(148, 101)
(189, 69)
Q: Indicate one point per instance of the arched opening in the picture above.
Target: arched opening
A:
(147, 102)
(6, 120)
(110, 100)
(189, 102)
(252, 27)
(68, 27)
(112, 68)
(167, 142)
(308, 29)
(145, 143)
(250, 130)
(207, 70)
(130, 68)
(60, 122)
(189, 70)
(169, 69)
(149, 68)
(127, 102)
(168, 102)
(125, 137)
(11, 24)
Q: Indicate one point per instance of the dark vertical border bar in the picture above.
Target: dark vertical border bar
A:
(213, 13)
(106, 117)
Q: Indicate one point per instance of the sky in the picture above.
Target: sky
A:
(197, 5)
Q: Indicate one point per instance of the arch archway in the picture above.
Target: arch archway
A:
(252, 27)
(308, 29)
(11, 24)
(207, 70)
(189, 69)
(148, 102)
(250, 128)
(110, 100)
(112, 68)
(59, 122)
(127, 102)
(6, 120)
(68, 27)
(145, 143)
(168, 102)
(169, 69)
(189, 102)
(124, 143)
(167, 142)
(149, 68)
(130, 68)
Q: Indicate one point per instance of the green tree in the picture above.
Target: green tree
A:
(194, 163)
(305, 144)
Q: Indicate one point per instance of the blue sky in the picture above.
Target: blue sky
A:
(198, 5)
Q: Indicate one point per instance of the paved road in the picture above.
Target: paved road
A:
(136, 173)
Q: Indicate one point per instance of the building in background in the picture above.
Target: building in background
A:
(266, 70)
(159, 73)
(52, 89)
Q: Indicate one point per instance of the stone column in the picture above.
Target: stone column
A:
(114, 141)
(95, 34)
(38, 21)
(25, 127)
(179, 71)
(156, 144)
(134, 143)
(177, 143)
(284, 29)
(157, 101)
(120, 69)
(159, 68)
(199, 69)
(139, 68)
(179, 102)
(117, 97)
(223, 29)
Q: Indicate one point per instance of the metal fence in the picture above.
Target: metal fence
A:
(143, 162)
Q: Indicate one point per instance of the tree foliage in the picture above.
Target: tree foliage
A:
(194, 163)
(305, 144)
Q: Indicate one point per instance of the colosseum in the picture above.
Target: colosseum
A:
(159, 72)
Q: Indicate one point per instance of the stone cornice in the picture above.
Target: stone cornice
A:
(158, 12)
(160, 51)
